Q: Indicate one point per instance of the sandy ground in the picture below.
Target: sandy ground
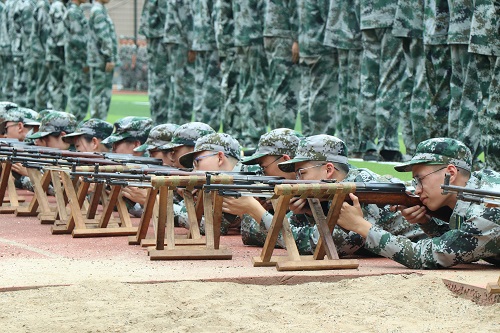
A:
(390, 303)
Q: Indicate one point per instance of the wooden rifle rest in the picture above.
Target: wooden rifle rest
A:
(293, 260)
(9, 203)
(493, 288)
(39, 205)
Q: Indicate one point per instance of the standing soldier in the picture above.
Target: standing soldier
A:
(78, 77)
(22, 21)
(178, 37)
(282, 51)
(102, 59)
(207, 103)
(153, 28)
(2, 64)
(6, 51)
(141, 66)
(55, 56)
(248, 33)
(39, 71)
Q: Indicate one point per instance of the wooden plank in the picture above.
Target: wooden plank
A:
(104, 232)
(59, 195)
(162, 218)
(191, 254)
(178, 241)
(311, 265)
(209, 219)
(170, 227)
(4, 180)
(194, 228)
(257, 261)
(122, 209)
(75, 218)
(146, 216)
(12, 191)
(217, 219)
(110, 205)
(94, 201)
(324, 232)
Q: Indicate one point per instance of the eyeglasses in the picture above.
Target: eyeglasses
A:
(263, 167)
(199, 158)
(417, 181)
(299, 172)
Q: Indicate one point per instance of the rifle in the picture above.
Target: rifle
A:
(487, 197)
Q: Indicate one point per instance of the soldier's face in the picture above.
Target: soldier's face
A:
(429, 185)
(269, 165)
(206, 161)
(311, 170)
(123, 147)
(83, 145)
(178, 152)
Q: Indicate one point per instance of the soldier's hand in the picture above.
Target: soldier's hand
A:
(191, 56)
(415, 214)
(86, 69)
(299, 206)
(109, 67)
(135, 194)
(295, 52)
(18, 167)
(351, 217)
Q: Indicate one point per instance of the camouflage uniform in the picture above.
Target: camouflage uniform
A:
(458, 40)
(141, 70)
(207, 96)
(343, 33)
(2, 65)
(130, 127)
(18, 114)
(6, 60)
(473, 231)
(78, 77)
(331, 149)
(229, 67)
(381, 73)
(94, 127)
(276, 142)
(212, 142)
(409, 26)
(38, 40)
(280, 32)
(22, 23)
(248, 33)
(319, 66)
(102, 49)
(178, 37)
(153, 28)
(55, 56)
(127, 52)
(158, 136)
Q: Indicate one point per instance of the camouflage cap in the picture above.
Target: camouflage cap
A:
(317, 148)
(20, 114)
(160, 135)
(213, 142)
(187, 134)
(55, 121)
(5, 106)
(281, 141)
(130, 127)
(439, 151)
(95, 127)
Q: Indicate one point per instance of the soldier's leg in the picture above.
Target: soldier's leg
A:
(420, 98)
(8, 78)
(491, 120)
(252, 103)
(200, 66)
(158, 80)
(181, 110)
(58, 95)
(231, 123)
(346, 133)
(392, 69)
(211, 95)
(305, 78)
(20, 85)
(101, 85)
(459, 61)
(42, 97)
(370, 78)
(353, 89)
(78, 93)
(282, 105)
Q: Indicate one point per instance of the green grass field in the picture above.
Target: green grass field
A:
(123, 105)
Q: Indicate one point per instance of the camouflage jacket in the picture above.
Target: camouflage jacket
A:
(473, 233)
(203, 25)
(312, 17)
(409, 19)
(224, 25)
(377, 13)
(41, 29)
(436, 22)
(281, 19)
(22, 23)
(153, 18)
(76, 37)
(178, 23)
(55, 42)
(484, 28)
(306, 233)
(460, 21)
(5, 45)
(102, 46)
(248, 21)
(342, 26)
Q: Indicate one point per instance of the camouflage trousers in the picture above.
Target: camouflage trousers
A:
(413, 50)
(40, 84)
(231, 116)
(349, 85)
(252, 93)
(382, 68)
(207, 96)
(490, 122)
(319, 93)
(7, 90)
(459, 61)
(101, 87)
(57, 85)
(283, 83)
(158, 80)
(20, 84)
(474, 101)
(78, 92)
(180, 105)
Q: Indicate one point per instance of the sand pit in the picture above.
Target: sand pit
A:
(390, 303)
